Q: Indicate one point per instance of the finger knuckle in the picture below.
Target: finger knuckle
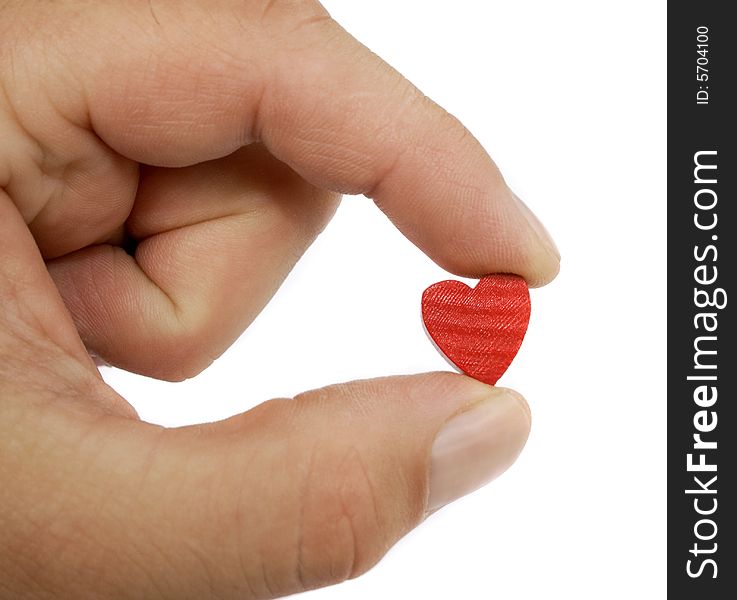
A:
(341, 534)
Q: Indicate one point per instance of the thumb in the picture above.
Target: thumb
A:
(308, 492)
(293, 495)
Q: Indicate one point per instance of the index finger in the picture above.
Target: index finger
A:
(192, 87)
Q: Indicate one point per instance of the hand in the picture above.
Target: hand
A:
(163, 165)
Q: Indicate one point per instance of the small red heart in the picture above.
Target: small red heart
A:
(478, 329)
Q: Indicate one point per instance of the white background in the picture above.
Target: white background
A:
(568, 97)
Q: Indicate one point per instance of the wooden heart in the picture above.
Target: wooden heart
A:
(478, 329)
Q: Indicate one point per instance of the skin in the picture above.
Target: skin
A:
(163, 165)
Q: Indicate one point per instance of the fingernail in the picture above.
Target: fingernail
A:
(477, 445)
(544, 236)
(98, 360)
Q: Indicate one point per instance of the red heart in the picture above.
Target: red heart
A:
(478, 329)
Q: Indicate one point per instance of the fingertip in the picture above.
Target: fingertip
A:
(544, 251)
(546, 269)
(519, 400)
